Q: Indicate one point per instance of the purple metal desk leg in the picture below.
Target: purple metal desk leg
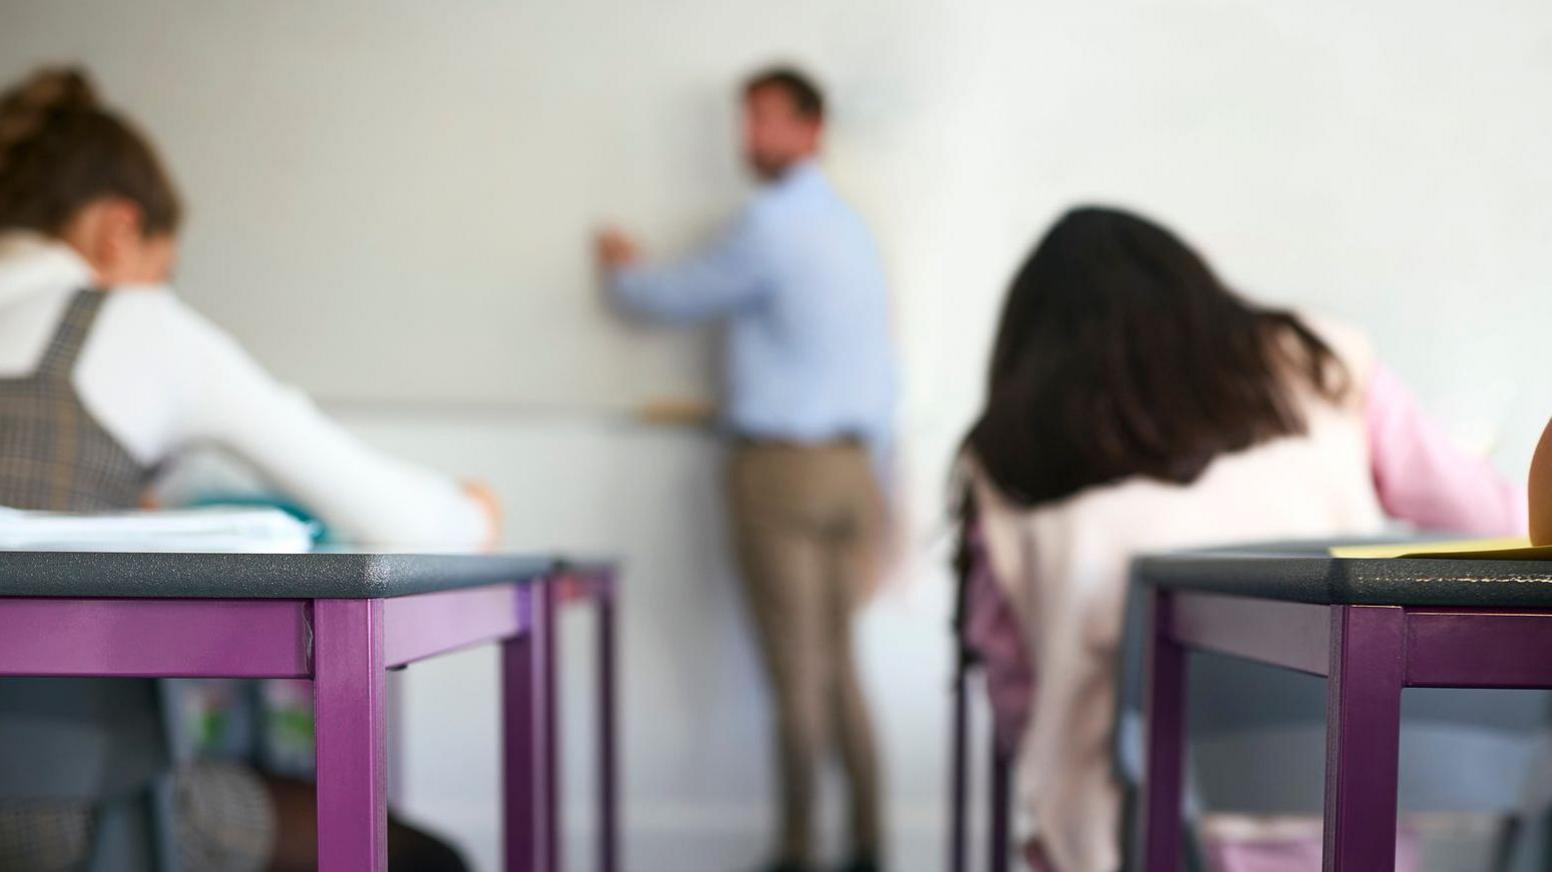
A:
(519, 750)
(1001, 832)
(959, 765)
(350, 683)
(1162, 825)
(608, 807)
(1363, 735)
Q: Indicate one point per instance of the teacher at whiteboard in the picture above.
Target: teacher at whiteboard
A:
(797, 280)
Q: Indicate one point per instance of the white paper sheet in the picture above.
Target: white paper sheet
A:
(235, 530)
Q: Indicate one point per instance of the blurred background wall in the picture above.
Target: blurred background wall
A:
(391, 204)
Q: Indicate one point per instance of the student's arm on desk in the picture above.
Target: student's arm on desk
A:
(726, 276)
(222, 396)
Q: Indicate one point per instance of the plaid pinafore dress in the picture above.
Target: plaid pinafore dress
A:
(69, 745)
(54, 456)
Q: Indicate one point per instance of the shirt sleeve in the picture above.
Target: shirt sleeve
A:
(728, 275)
(1424, 478)
(211, 391)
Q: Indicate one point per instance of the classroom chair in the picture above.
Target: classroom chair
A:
(1000, 778)
(103, 742)
(1257, 746)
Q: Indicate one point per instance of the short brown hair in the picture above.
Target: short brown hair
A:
(60, 149)
(805, 95)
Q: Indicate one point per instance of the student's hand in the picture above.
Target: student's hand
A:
(615, 249)
(482, 494)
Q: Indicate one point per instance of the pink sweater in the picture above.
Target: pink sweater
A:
(1423, 478)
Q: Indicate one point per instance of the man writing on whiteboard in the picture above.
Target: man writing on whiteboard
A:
(810, 389)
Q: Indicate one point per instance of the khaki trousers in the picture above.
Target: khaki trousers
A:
(808, 526)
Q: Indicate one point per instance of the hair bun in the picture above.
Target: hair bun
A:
(25, 107)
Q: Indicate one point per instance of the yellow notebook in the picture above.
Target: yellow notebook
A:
(1467, 549)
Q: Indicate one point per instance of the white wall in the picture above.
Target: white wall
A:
(1386, 162)
(459, 155)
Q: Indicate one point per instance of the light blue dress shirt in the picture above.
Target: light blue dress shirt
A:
(798, 280)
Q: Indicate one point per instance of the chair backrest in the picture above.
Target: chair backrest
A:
(79, 738)
(134, 833)
(100, 742)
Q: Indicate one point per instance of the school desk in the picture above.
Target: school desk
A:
(341, 620)
(1370, 626)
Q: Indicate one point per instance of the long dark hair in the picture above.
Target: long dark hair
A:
(61, 149)
(1121, 354)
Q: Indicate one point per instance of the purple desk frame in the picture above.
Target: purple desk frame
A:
(346, 646)
(1369, 653)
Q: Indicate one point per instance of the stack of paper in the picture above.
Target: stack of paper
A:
(243, 531)
(1471, 549)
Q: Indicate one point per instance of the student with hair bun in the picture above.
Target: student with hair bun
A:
(88, 237)
(105, 376)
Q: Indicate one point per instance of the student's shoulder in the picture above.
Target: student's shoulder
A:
(152, 307)
(154, 318)
(144, 304)
(1348, 341)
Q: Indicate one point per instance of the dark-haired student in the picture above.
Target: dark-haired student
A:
(799, 285)
(104, 377)
(1135, 403)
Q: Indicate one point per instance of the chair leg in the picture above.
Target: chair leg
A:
(608, 809)
(349, 687)
(959, 765)
(1001, 829)
(1363, 737)
(1164, 781)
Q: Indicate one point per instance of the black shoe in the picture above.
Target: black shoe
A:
(862, 863)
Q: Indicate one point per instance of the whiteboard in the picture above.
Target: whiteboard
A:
(395, 200)
(392, 201)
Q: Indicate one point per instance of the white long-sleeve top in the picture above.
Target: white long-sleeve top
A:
(161, 380)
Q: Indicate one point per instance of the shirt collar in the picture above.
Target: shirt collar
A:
(31, 263)
(804, 172)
